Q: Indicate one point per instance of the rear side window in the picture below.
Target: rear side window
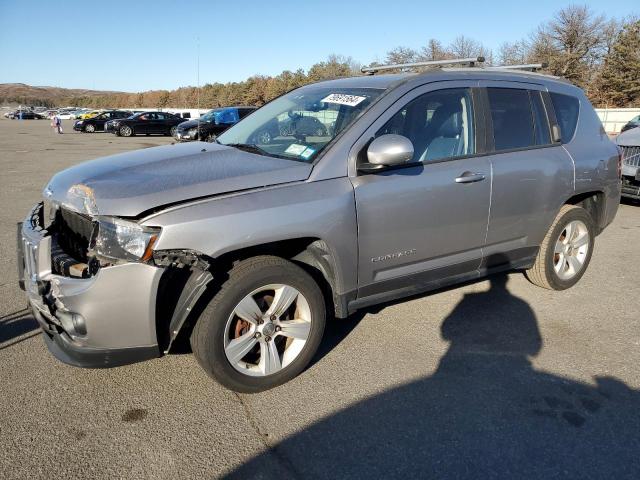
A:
(512, 118)
(566, 108)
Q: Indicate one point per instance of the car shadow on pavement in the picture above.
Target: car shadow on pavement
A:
(485, 413)
(15, 325)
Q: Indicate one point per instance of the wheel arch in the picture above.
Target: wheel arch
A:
(313, 254)
(594, 202)
(183, 293)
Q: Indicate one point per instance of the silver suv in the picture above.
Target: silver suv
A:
(247, 245)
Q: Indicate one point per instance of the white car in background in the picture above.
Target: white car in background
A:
(67, 115)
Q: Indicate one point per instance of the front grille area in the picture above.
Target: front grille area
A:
(74, 232)
(631, 156)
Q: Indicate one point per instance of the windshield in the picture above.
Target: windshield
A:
(300, 124)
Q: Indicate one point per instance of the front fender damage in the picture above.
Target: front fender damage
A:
(199, 277)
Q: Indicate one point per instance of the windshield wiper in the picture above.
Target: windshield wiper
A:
(253, 148)
(247, 147)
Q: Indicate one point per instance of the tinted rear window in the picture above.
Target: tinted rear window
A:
(566, 108)
(512, 119)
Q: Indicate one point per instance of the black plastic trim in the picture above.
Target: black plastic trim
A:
(20, 255)
(61, 347)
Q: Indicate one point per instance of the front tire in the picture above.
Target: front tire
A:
(126, 131)
(172, 131)
(566, 250)
(89, 128)
(263, 326)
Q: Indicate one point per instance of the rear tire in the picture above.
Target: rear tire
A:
(566, 250)
(219, 325)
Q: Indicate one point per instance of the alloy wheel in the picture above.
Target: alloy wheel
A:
(267, 330)
(571, 249)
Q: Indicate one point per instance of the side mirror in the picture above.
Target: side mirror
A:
(388, 151)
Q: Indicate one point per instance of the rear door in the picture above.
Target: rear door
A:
(421, 223)
(531, 174)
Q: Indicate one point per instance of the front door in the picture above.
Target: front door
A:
(427, 221)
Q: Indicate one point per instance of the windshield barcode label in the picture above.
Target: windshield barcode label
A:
(342, 99)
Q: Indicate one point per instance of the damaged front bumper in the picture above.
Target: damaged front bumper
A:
(105, 320)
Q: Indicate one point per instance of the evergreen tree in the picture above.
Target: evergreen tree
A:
(620, 77)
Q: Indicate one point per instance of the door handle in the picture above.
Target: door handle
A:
(470, 177)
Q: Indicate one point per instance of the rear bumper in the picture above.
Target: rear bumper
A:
(102, 321)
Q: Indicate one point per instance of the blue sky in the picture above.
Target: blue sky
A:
(143, 45)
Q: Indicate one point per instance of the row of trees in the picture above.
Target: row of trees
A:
(598, 54)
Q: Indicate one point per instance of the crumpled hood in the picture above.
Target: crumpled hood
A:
(630, 138)
(130, 183)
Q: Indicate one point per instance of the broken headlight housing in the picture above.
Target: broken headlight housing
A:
(120, 240)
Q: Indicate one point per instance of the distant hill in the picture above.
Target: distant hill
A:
(12, 93)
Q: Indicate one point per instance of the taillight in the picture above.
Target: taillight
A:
(619, 162)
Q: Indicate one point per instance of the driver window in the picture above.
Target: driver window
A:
(439, 124)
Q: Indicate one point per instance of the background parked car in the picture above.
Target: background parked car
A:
(211, 124)
(24, 115)
(298, 124)
(66, 115)
(90, 114)
(629, 143)
(291, 124)
(97, 123)
(633, 123)
(159, 123)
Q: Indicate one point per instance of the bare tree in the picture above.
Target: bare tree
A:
(465, 47)
(572, 43)
(434, 50)
(401, 55)
(514, 53)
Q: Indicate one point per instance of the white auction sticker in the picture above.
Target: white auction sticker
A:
(295, 149)
(343, 99)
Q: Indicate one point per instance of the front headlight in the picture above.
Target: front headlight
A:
(192, 132)
(119, 239)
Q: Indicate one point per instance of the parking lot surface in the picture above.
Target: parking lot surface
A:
(493, 379)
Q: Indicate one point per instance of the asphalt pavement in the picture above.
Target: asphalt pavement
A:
(492, 379)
